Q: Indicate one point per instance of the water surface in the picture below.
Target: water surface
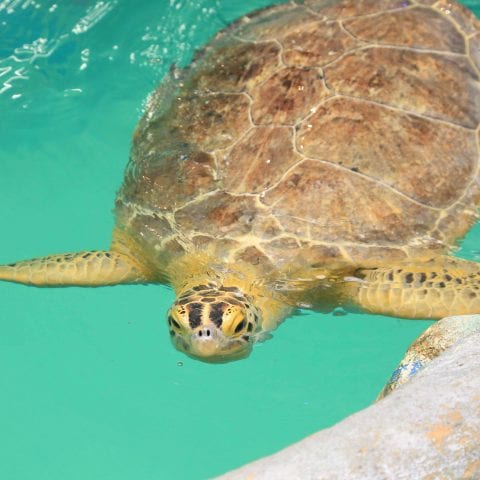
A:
(91, 387)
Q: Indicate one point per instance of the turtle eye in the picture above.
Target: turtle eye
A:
(173, 322)
(240, 326)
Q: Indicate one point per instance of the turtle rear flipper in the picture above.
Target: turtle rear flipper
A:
(89, 269)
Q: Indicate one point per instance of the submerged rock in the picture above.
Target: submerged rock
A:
(428, 428)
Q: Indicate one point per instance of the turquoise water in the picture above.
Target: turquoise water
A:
(90, 385)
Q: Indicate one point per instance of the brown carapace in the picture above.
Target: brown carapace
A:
(315, 153)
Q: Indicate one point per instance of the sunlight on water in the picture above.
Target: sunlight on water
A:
(91, 387)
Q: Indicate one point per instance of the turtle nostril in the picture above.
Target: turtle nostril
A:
(205, 332)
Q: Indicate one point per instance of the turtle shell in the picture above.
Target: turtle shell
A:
(314, 131)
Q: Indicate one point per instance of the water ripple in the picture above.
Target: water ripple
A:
(41, 31)
(18, 74)
(41, 47)
(10, 5)
(93, 16)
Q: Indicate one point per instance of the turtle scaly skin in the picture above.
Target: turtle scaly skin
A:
(317, 153)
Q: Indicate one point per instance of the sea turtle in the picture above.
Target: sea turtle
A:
(317, 153)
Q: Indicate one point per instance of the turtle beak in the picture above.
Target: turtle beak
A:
(209, 344)
(206, 341)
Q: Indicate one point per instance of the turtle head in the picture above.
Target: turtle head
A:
(213, 324)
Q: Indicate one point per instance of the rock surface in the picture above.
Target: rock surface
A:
(428, 429)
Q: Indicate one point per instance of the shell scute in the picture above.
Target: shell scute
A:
(218, 248)
(288, 95)
(462, 16)
(208, 121)
(259, 159)
(254, 256)
(229, 66)
(316, 43)
(373, 254)
(301, 256)
(347, 8)
(411, 155)
(421, 82)
(168, 182)
(273, 24)
(219, 214)
(474, 49)
(328, 196)
(267, 227)
(418, 27)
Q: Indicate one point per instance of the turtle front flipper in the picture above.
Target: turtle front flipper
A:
(89, 269)
(434, 289)
(444, 288)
